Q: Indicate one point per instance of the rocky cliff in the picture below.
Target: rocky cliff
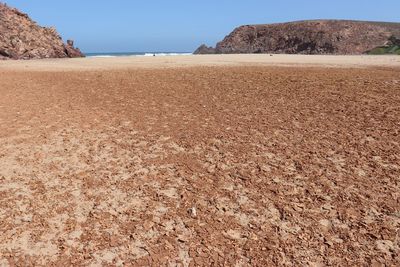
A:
(307, 37)
(22, 38)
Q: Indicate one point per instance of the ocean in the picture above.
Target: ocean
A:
(144, 54)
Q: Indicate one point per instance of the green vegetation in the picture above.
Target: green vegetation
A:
(393, 49)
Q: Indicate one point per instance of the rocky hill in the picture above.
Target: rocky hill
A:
(22, 38)
(308, 37)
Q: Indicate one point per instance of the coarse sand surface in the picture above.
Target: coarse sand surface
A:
(161, 162)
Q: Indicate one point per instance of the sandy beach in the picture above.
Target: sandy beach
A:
(134, 62)
(233, 160)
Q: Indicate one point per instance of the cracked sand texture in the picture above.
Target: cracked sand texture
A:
(283, 166)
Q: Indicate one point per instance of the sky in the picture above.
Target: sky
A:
(183, 25)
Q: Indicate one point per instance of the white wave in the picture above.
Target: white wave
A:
(139, 55)
(166, 54)
(105, 56)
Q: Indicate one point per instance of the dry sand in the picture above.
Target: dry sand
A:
(104, 162)
(202, 60)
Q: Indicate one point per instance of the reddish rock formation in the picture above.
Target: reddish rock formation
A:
(307, 37)
(22, 38)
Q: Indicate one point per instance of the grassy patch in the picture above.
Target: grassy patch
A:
(394, 49)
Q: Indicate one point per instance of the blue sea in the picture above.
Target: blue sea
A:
(143, 54)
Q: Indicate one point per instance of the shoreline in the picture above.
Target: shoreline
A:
(135, 62)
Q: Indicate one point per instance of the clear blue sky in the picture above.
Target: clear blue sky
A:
(182, 25)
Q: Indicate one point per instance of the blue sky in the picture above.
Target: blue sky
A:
(182, 25)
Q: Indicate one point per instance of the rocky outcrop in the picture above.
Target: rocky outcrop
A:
(22, 38)
(71, 50)
(308, 37)
(203, 49)
(393, 40)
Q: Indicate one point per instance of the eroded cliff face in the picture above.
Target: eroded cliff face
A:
(22, 38)
(308, 37)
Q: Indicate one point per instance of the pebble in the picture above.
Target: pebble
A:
(27, 218)
(192, 212)
(326, 225)
(385, 246)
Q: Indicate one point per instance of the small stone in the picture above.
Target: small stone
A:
(338, 240)
(192, 212)
(148, 225)
(253, 236)
(329, 243)
(385, 246)
(27, 218)
(326, 225)
(183, 239)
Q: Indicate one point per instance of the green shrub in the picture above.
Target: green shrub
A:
(394, 49)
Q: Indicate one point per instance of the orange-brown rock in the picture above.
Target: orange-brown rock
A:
(22, 38)
(308, 37)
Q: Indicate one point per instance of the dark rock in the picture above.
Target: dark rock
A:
(70, 43)
(22, 38)
(203, 49)
(308, 37)
(394, 40)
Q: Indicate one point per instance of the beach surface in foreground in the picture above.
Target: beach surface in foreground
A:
(245, 160)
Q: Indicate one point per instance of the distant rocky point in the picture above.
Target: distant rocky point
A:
(203, 49)
(311, 37)
(22, 38)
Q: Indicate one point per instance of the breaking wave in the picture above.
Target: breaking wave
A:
(136, 54)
